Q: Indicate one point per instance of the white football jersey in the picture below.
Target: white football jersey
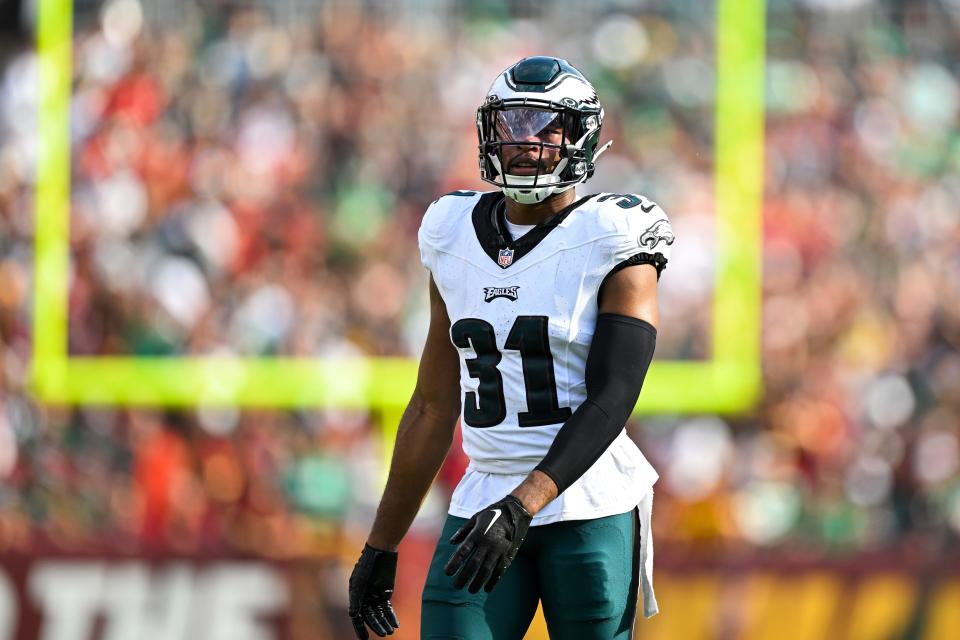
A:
(522, 314)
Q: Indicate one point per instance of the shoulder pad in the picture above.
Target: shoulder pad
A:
(634, 225)
(446, 211)
(620, 204)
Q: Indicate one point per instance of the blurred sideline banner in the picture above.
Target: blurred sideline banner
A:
(727, 383)
(186, 598)
(64, 598)
(855, 600)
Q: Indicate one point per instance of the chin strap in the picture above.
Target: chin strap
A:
(600, 151)
(537, 192)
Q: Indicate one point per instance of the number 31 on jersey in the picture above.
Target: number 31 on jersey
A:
(487, 407)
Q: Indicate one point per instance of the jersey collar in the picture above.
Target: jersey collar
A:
(489, 222)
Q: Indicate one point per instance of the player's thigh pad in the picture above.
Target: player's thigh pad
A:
(589, 577)
(449, 613)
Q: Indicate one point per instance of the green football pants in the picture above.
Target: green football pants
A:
(585, 572)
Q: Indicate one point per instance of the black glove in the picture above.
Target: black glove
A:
(493, 537)
(371, 586)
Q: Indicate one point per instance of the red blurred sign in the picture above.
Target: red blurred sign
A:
(164, 597)
(122, 599)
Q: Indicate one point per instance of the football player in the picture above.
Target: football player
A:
(543, 324)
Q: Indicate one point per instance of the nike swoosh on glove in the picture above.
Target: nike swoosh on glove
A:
(371, 586)
(488, 543)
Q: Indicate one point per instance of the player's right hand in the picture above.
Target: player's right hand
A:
(371, 586)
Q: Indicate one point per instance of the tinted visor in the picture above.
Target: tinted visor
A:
(520, 125)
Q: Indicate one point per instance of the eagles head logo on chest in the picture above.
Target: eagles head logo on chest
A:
(658, 232)
(492, 293)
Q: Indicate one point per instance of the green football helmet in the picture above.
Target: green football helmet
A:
(539, 129)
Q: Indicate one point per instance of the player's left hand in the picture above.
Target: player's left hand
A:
(488, 543)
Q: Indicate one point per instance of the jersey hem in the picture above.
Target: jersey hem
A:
(461, 511)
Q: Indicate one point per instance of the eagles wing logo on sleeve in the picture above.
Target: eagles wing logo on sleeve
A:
(492, 293)
(658, 232)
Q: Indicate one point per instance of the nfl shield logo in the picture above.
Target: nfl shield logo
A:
(505, 258)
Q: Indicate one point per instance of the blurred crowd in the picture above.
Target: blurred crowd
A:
(245, 187)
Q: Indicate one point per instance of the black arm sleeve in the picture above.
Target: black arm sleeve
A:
(619, 356)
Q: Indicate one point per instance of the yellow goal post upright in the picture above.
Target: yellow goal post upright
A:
(728, 382)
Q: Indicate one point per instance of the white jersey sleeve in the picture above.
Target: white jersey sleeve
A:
(640, 232)
(436, 233)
